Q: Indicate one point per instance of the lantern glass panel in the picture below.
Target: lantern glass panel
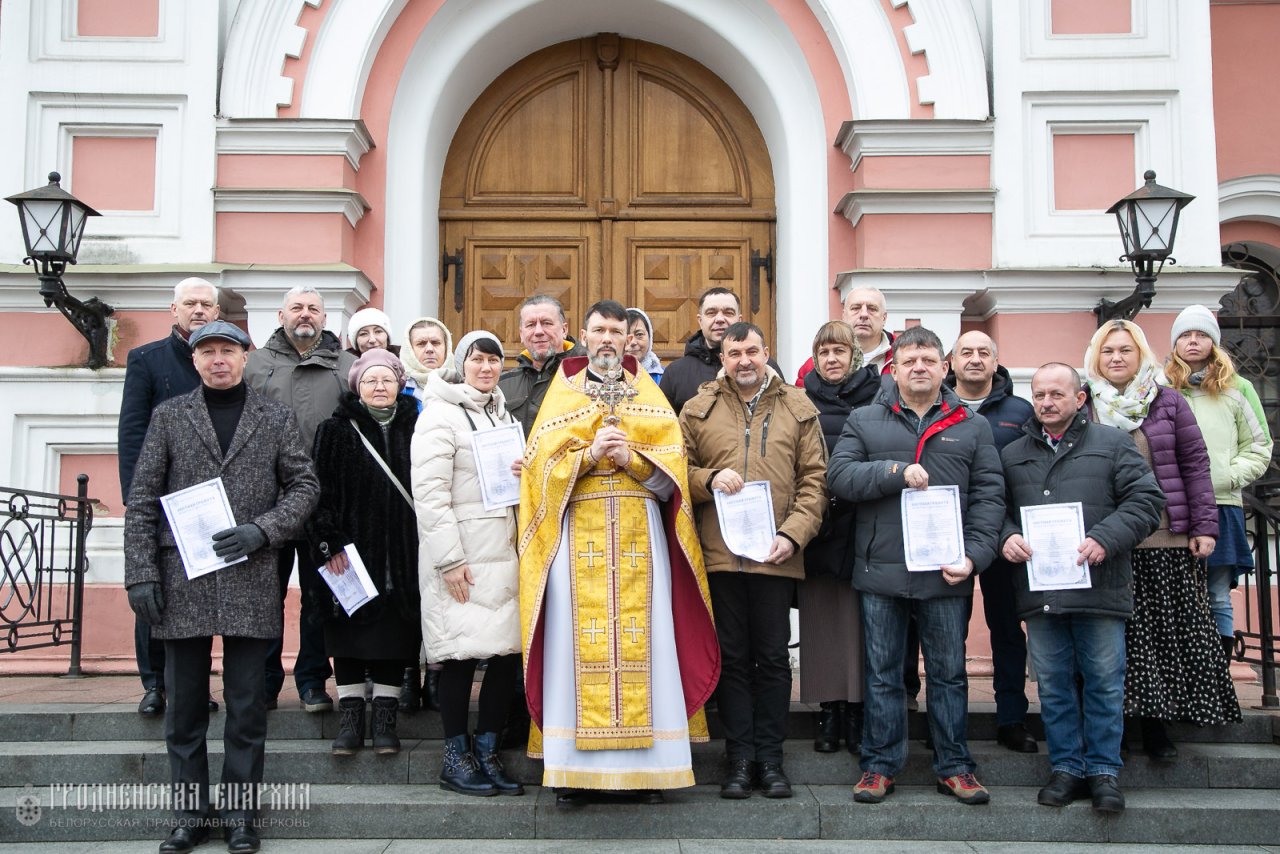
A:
(42, 226)
(75, 230)
(1154, 220)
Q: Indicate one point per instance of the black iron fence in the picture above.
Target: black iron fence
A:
(1256, 643)
(42, 567)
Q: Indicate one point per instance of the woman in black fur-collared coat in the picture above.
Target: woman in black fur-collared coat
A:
(360, 505)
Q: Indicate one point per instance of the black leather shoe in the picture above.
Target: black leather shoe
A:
(1155, 740)
(182, 839)
(1016, 738)
(243, 839)
(572, 799)
(213, 704)
(152, 704)
(649, 796)
(273, 703)
(1106, 794)
(853, 727)
(1062, 789)
(741, 779)
(773, 782)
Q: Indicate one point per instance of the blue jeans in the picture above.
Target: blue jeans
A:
(1220, 579)
(1083, 738)
(942, 628)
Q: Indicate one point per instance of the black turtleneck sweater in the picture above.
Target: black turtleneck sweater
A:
(225, 406)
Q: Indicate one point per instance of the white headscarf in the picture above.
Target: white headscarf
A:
(412, 366)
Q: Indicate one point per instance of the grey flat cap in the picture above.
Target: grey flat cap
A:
(220, 329)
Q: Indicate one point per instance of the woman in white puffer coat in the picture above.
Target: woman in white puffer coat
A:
(468, 571)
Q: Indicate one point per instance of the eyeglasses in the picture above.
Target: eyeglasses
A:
(379, 382)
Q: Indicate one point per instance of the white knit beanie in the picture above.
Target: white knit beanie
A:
(1199, 318)
(368, 317)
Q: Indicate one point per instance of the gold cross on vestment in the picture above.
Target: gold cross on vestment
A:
(611, 481)
(590, 554)
(633, 630)
(635, 554)
(612, 391)
(594, 630)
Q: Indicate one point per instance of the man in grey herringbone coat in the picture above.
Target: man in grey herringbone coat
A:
(222, 429)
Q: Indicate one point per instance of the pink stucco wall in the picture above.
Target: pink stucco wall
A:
(1091, 170)
(922, 172)
(114, 173)
(1245, 60)
(118, 18)
(285, 171)
(104, 481)
(1264, 232)
(284, 238)
(930, 241)
(1091, 17)
(310, 19)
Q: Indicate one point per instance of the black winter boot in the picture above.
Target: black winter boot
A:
(853, 727)
(459, 771)
(1229, 647)
(350, 726)
(829, 724)
(385, 740)
(1155, 740)
(410, 690)
(431, 690)
(486, 753)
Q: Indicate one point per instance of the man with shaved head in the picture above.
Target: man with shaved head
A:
(866, 312)
(986, 388)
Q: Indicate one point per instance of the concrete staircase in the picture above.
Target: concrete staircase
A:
(1223, 789)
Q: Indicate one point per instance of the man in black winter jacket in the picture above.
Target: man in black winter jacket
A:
(916, 435)
(1063, 458)
(154, 373)
(986, 388)
(718, 309)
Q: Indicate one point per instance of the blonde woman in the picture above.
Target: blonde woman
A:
(1175, 667)
(1235, 431)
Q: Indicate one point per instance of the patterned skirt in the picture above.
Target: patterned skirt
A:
(1176, 668)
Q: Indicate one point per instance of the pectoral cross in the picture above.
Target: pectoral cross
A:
(632, 630)
(594, 630)
(612, 391)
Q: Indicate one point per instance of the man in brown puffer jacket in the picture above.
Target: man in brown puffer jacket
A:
(750, 425)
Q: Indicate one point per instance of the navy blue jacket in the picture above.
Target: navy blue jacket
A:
(1004, 411)
(153, 373)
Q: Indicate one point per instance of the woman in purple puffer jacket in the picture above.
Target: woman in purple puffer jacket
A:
(1176, 669)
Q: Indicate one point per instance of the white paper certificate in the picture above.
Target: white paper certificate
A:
(1055, 532)
(746, 520)
(354, 587)
(495, 449)
(932, 533)
(195, 514)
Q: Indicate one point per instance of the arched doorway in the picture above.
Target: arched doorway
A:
(606, 168)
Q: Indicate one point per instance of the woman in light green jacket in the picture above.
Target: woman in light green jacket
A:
(1235, 432)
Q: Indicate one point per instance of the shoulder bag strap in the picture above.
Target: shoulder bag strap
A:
(395, 481)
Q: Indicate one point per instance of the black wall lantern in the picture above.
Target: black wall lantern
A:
(53, 222)
(1148, 220)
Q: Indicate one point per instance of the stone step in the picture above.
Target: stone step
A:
(121, 721)
(1154, 816)
(1199, 765)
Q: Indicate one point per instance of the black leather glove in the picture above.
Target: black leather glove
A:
(240, 541)
(147, 601)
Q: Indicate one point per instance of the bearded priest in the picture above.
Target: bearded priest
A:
(620, 651)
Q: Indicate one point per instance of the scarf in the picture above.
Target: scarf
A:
(1125, 408)
(412, 366)
(651, 363)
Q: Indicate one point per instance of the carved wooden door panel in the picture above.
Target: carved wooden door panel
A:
(606, 167)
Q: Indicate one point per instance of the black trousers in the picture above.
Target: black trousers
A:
(311, 669)
(186, 722)
(753, 623)
(149, 653)
(1008, 643)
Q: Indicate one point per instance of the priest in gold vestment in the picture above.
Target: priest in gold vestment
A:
(620, 651)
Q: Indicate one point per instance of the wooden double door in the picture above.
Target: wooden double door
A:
(606, 168)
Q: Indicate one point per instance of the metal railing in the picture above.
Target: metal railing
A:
(1256, 643)
(42, 568)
